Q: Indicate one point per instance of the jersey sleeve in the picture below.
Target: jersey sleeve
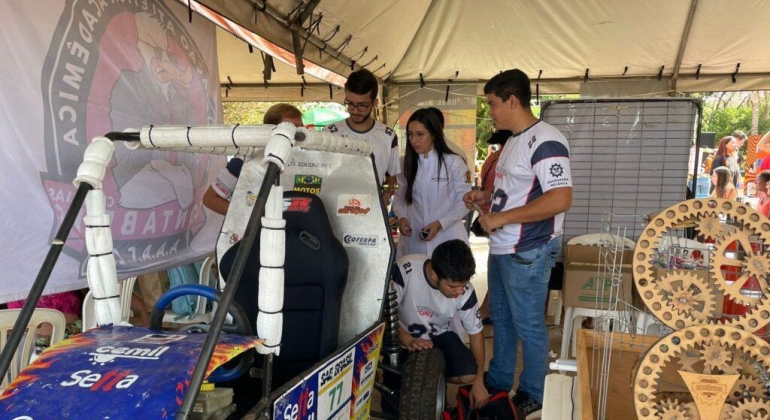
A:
(469, 313)
(394, 163)
(550, 162)
(224, 184)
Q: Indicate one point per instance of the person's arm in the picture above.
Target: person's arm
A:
(213, 201)
(764, 143)
(413, 344)
(479, 394)
(553, 202)
(458, 176)
(400, 207)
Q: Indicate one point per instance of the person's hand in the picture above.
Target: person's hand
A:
(404, 226)
(432, 230)
(476, 196)
(491, 222)
(386, 196)
(479, 394)
(419, 344)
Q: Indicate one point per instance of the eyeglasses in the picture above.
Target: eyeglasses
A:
(358, 107)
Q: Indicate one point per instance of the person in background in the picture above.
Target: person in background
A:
(429, 202)
(740, 140)
(722, 179)
(725, 156)
(764, 145)
(361, 100)
(217, 196)
(487, 175)
(763, 203)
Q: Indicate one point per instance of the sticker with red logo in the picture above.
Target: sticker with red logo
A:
(144, 372)
(354, 204)
(297, 204)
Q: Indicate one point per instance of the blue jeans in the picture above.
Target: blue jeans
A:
(518, 287)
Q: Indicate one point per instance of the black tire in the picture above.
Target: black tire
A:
(423, 386)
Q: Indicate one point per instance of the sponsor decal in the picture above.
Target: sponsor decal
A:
(426, 311)
(369, 241)
(297, 204)
(251, 198)
(303, 164)
(308, 183)
(234, 238)
(354, 204)
(532, 141)
(367, 373)
(108, 354)
(116, 378)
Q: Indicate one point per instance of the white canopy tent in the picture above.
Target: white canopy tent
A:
(626, 47)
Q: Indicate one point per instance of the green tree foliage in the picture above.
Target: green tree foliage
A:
(724, 121)
(484, 127)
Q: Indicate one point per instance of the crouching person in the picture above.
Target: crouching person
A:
(430, 292)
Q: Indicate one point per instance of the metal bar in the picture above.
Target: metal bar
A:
(683, 43)
(118, 136)
(252, 229)
(41, 280)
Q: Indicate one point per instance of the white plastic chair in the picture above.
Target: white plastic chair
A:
(126, 292)
(200, 315)
(27, 345)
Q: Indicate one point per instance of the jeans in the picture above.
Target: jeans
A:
(518, 287)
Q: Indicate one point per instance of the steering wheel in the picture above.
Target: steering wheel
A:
(241, 326)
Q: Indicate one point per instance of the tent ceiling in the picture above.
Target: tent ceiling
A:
(563, 38)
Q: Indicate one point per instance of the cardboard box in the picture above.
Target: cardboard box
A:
(586, 285)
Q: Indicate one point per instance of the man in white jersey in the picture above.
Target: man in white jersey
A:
(533, 189)
(361, 100)
(430, 292)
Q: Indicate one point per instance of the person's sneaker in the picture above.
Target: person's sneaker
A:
(528, 405)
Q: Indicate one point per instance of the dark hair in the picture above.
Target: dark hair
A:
(510, 82)
(722, 148)
(411, 159)
(453, 260)
(739, 134)
(764, 175)
(500, 137)
(362, 82)
(439, 115)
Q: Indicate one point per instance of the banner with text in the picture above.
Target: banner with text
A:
(77, 69)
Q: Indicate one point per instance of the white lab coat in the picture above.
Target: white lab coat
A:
(435, 196)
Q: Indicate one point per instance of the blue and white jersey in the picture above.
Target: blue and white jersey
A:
(532, 162)
(422, 309)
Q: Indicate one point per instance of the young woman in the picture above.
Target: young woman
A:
(725, 156)
(722, 178)
(432, 183)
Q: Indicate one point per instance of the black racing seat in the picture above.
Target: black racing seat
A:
(315, 274)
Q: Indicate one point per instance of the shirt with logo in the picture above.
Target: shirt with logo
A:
(224, 184)
(423, 310)
(384, 143)
(532, 163)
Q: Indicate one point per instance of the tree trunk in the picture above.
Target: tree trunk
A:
(755, 103)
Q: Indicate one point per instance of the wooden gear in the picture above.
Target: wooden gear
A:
(658, 294)
(718, 343)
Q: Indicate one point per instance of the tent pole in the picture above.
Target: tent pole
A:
(683, 43)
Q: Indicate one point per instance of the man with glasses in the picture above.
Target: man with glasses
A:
(361, 100)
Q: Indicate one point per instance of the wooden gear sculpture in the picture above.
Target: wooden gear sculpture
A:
(721, 370)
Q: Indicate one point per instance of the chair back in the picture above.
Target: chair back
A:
(23, 354)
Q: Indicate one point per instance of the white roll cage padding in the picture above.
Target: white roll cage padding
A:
(102, 273)
(243, 140)
(276, 141)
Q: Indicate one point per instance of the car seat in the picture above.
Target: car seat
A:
(315, 274)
